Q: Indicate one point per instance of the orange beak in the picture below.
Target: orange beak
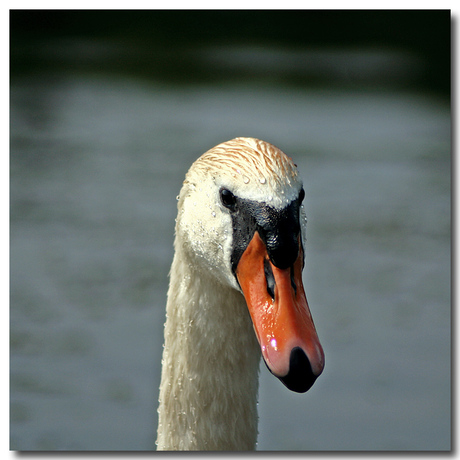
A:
(281, 317)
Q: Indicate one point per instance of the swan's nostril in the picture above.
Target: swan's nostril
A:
(294, 286)
(270, 278)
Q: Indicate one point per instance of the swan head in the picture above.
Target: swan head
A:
(241, 219)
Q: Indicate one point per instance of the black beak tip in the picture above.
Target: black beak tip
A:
(300, 377)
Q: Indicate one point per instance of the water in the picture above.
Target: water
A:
(96, 165)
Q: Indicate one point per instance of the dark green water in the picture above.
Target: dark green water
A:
(97, 160)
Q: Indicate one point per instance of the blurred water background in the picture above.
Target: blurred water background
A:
(108, 111)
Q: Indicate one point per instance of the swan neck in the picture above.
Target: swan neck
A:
(209, 383)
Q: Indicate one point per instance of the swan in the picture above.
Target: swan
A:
(235, 294)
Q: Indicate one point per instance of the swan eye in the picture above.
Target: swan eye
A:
(228, 199)
(301, 195)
